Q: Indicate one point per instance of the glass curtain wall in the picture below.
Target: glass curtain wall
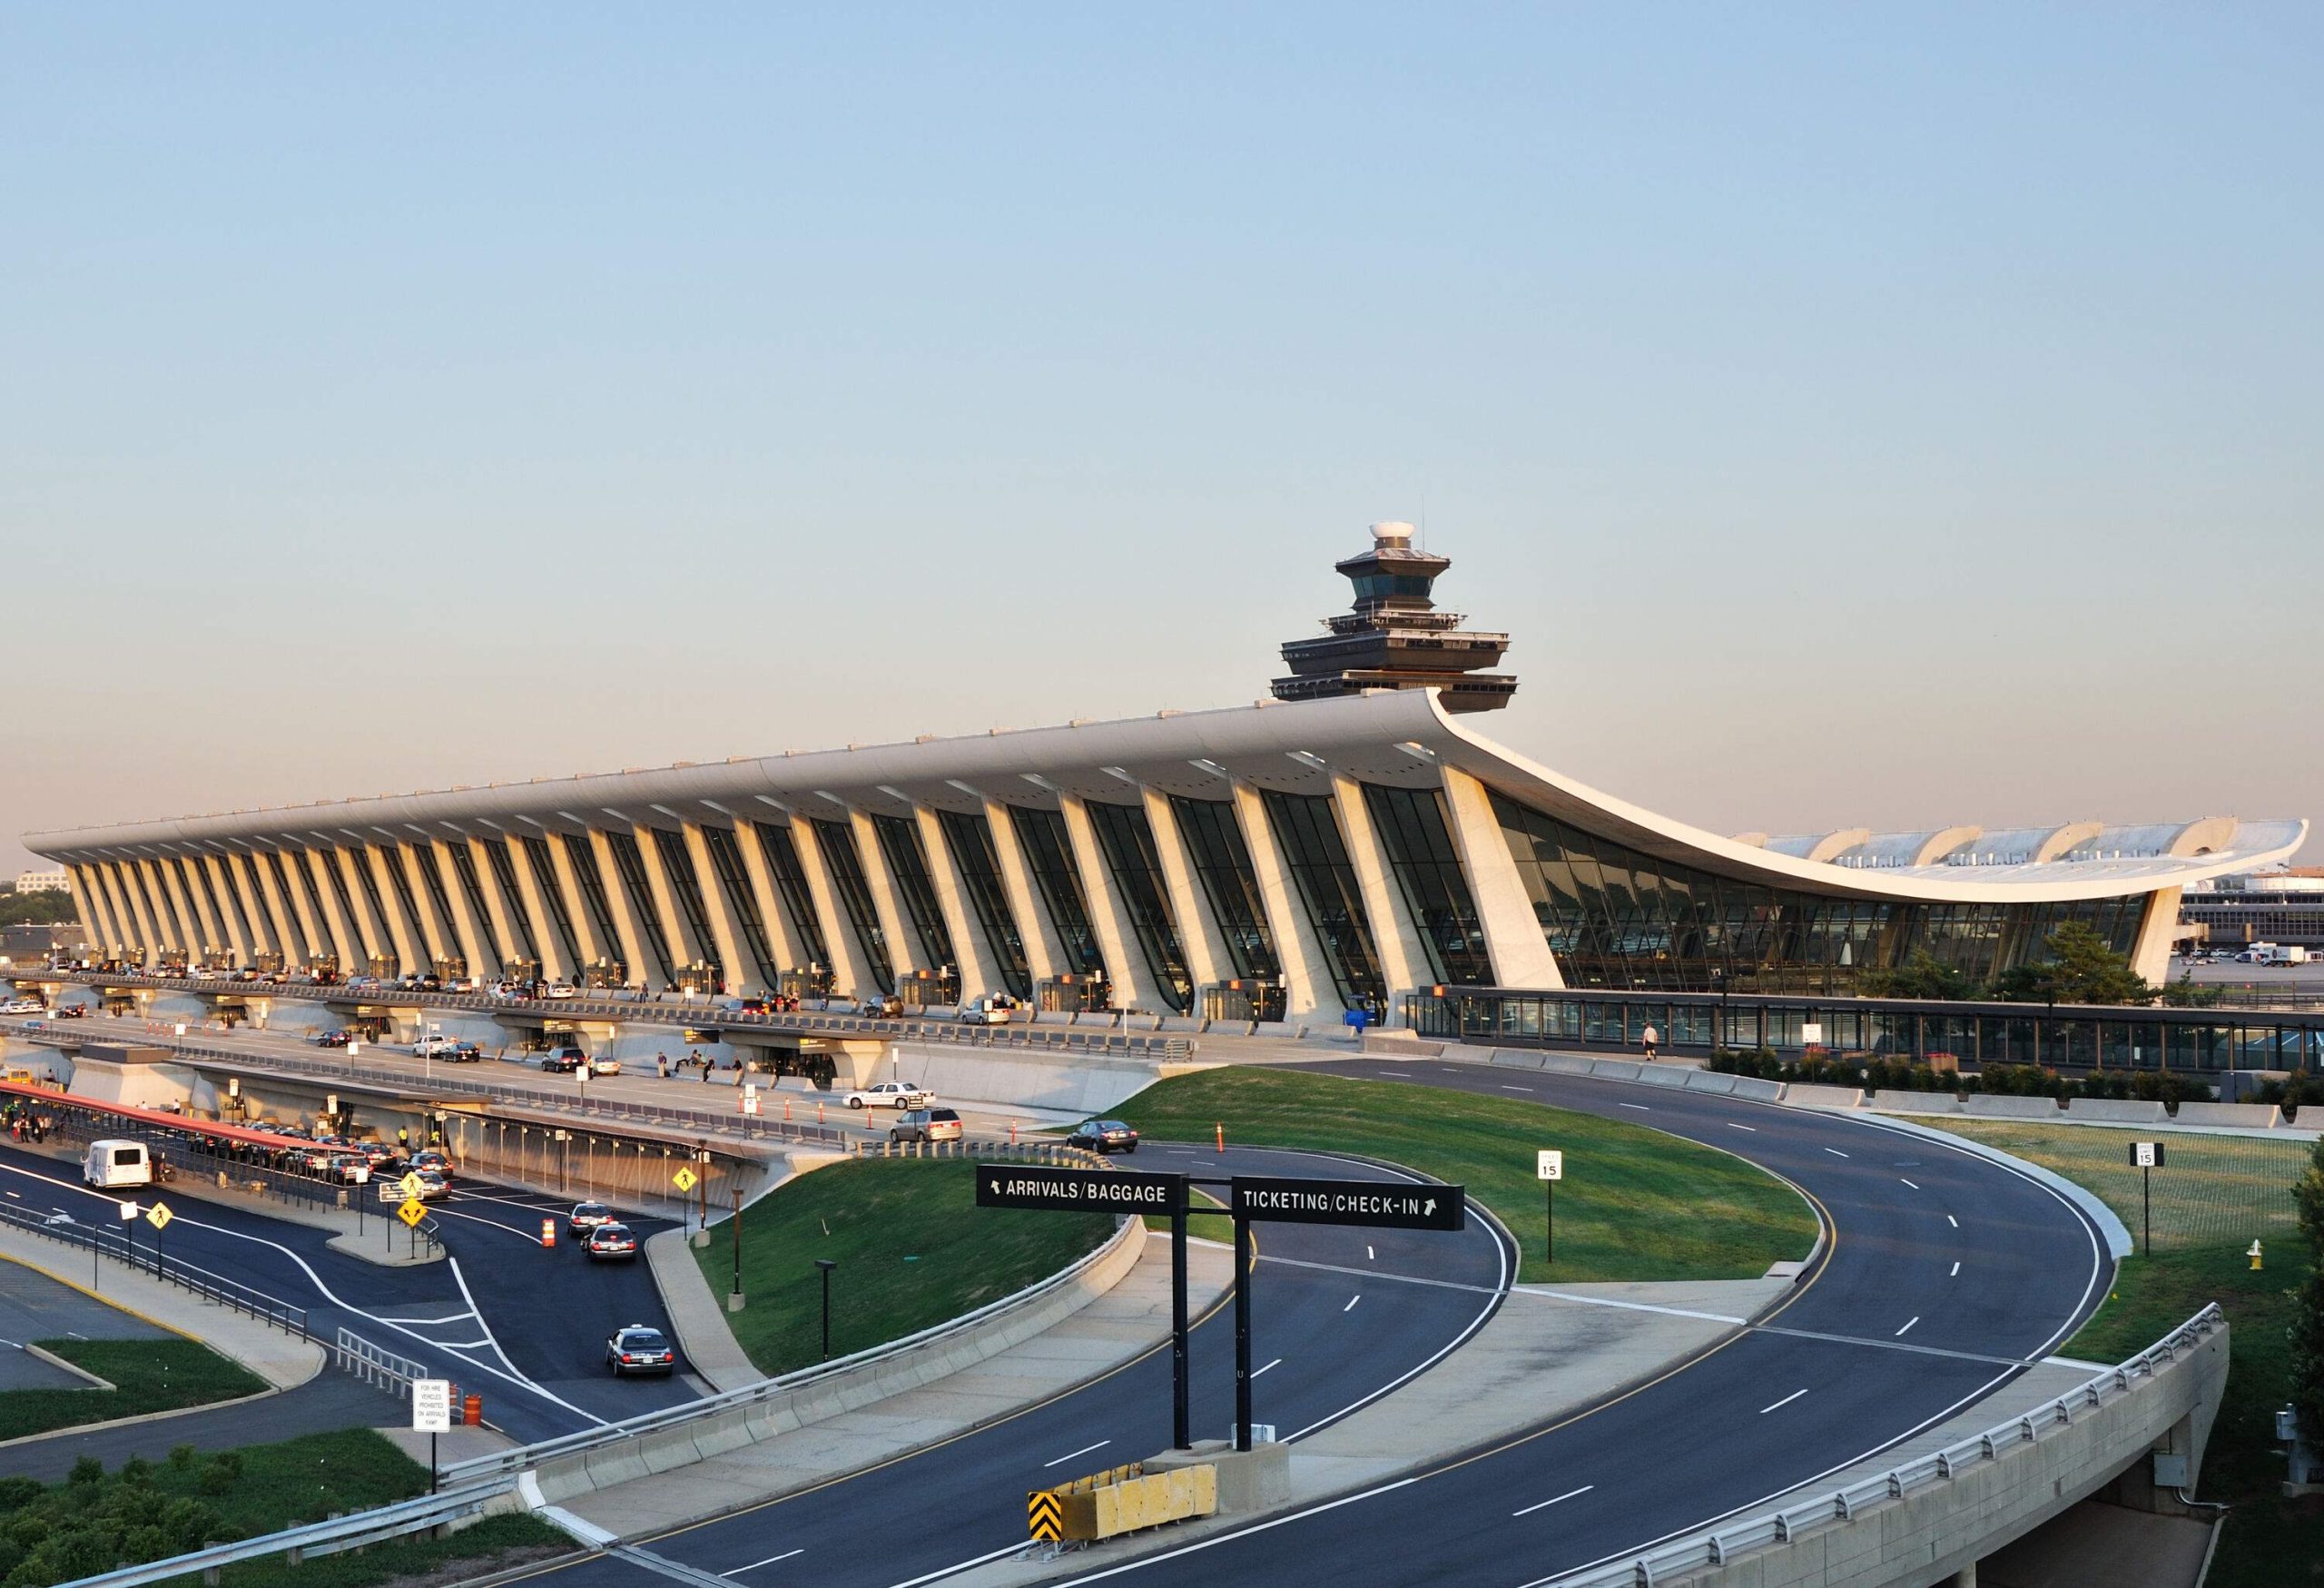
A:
(337, 876)
(687, 887)
(907, 858)
(422, 859)
(1128, 839)
(400, 879)
(969, 836)
(630, 862)
(472, 885)
(1222, 861)
(520, 919)
(1307, 831)
(589, 882)
(836, 841)
(290, 896)
(726, 860)
(1048, 855)
(543, 866)
(1413, 826)
(790, 880)
(1617, 918)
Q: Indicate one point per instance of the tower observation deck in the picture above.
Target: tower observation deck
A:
(1395, 639)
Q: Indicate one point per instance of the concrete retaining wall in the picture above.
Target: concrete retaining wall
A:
(1803, 1095)
(1984, 1106)
(781, 1411)
(1930, 1533)
(2245, 1116)
(2116, 1112)
(1070, 1082)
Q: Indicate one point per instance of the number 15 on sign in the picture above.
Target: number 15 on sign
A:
(1549, 1164)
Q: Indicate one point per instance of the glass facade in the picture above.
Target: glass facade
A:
(1307, 831)
(401, 881)
(1222, 861)
(790, 880)
(907, 860)
(543, 865)
(1128, 839)
(1418, 836)
(629, 861)
(472, 888)
(1048, 855)
(422, 859)
(520, 919)
(678, 865)
(1620, 919)
(589, 882)
(359, 861)
(329, 861)
(742, 905)
(969, 836)
(835, 841)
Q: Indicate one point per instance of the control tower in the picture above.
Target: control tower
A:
(1395, 639)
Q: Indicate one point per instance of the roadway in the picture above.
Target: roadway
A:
(503, 1316)
(1324, 1344)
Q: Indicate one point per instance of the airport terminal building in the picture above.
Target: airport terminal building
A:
(1338, 846)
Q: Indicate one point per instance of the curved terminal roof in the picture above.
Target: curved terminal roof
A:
(1399, 736)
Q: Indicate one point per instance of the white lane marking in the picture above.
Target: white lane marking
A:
(1835, 1152)
(1351, 1301)
(74, 1335)
(1908, 1182)
(1956, 1269)
(959, 1566)
(1276, 1363)
(1916, 1319)
(1371, 1254)
(1561, 1499)
(1641, 1108)
(467, 1296)
(11, 1345)
(1780, 1406)
(452, 1317)
(1506, 1087)
(14, 1195)
(1733, 1126)
(527, 1237)
(754, 1565)
(1174, 1554)
(1061, 1460)
(1953, 1221)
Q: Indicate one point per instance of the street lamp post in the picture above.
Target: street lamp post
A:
(734, 1300)
(827, 1264)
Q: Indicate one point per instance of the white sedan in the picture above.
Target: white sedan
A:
(890, 1094)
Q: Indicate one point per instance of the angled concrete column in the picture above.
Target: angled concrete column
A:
(1521, 954)
(1308, 990)
(1133, 981)
(737, 965)
(1044, 950)
(782, 936)
(503, 911)
(217, 912)
(1403, 959)
(548, 944)
(314, 929)
(371, 934)
(244, 935)
(904, 952)
(978, 966)
(185, 876)
(152, 933)
(347, 941)
(474, 936)
(677, 930)
(851, 966)
(171, 916)
(377, 860)
(2151, 956)
(266, 932)
(434, 932)
(645, 970)
(567, 879)
(88, 900)
(1200, 938)
(300, 941)
(134, 941)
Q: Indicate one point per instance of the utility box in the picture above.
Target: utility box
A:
(2170, 1470)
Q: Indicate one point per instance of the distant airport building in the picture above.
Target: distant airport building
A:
(2279, 906)
(1333, 848)
(47, 882)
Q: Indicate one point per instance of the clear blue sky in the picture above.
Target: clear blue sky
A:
(1858, 414)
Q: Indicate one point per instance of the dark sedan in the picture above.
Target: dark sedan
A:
(1103, 1135)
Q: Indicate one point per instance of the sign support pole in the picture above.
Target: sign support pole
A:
(1242, 1332)
(1550, 1221)
(1181, 1431)
(2146, 1196)
(431, 1462)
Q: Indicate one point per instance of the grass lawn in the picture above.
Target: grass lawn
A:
(1635, 1204)
(2213, 1195)
(148, 1511)
(912, 1249)
(148, 1376)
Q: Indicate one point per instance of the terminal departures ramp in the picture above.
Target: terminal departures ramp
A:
(503, 1316)
(1885, 1339)
(1324, 1343)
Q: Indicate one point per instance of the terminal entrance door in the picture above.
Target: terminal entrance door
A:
(1071, 994)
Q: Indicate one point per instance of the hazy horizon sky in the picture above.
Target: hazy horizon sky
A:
(1883, 416)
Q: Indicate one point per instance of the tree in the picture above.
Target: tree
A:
(43, 907)
(2081, 968)
(1921, 976)
(2307, 1330)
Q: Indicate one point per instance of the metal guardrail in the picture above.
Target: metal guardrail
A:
(375, 1364)
(1716, 1546)
(150, 1258)
(317, 1538)
(510, 1462)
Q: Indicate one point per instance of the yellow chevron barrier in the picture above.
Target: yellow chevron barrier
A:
(1123, 1499)
(1044, 1518)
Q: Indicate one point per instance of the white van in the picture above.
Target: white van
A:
(109, 1164)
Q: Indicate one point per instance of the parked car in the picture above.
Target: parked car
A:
(351, 1168)
(603, 1066)
(433, 1047)
(21, 1006)
(611, 1243)
(987, 1011)
(638, 1349)
(926, 1125)
(1103, 1135)
(338, 1039)
(563, 1060)
(890, 1094)
(70, 1012)
(586, 1216)
(561, 990)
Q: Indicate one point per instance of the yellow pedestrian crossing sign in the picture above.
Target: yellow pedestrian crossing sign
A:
(412, 1212)
(412, 1184)
(159, 1215)
(685, 1179)
(1044, 1515)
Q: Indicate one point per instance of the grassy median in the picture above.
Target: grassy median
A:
(913, 1251)
(2212, 1197)
(147, 1376)
(1635, 1204)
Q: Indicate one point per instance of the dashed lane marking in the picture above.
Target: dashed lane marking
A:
(1908, 1182)
(1835, 1152)
(1733, 1126)
(1060, 1461)
(1545, 1505)
(754, 1565)
(1351, 1302)
(1276, 1363)
(1953, 1221)
(1641, 1108)
(1916, 1319)
(1956, 1269)
(1780, 1406)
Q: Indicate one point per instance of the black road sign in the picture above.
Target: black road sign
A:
(1383, 1203)
(1078, 1190)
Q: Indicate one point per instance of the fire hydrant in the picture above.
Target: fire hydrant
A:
(2255, 1257)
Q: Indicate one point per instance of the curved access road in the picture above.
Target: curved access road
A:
(1947, 1274)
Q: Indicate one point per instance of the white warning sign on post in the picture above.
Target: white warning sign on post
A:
(431, 1406)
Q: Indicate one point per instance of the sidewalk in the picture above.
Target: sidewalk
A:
(1130, 1318)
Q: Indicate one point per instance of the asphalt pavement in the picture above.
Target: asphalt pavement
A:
(33, 1306)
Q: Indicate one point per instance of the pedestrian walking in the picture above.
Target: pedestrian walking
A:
(1652, 1040)
(662, 1065)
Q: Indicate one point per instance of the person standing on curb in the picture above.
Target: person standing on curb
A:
(1652, 1039)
